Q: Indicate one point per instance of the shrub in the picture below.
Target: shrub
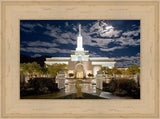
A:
(43, 85)
(122, 83)
(90, 75)
(120, 92)
(133, 89)
(123, 87)
(111, 87)
(71, 74)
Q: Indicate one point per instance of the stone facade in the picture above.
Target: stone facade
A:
(99, 80)
(60, 80)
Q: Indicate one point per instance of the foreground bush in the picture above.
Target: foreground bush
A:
(123, 87)
(39, 86)
(111, 87)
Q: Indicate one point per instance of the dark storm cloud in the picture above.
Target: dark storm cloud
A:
(44, 50)
(103, 38)
(127, 61)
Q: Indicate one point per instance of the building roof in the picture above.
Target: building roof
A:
(95, 59)
(101, 59)
(58, 59)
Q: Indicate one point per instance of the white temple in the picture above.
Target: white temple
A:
(80, 64)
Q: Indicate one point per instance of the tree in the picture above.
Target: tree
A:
(55, 68)
(133, 69)
(45, 69)
(24, 68)
(103, 69)
(90, 75)
(106, 70)
(35, 68)
(115, 70)
(71, 74)
(30, 68)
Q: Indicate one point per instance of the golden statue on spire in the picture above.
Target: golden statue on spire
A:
(79, 29)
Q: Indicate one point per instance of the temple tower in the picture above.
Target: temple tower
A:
(79, 41)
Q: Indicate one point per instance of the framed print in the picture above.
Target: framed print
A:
(79, 59)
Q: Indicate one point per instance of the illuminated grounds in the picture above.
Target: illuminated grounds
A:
(101, 62)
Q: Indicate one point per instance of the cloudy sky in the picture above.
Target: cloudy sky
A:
(119, 39)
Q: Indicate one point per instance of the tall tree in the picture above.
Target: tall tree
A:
(133, 69)
(55, 68)
(115, 70)
(30, 68)
(106, 70)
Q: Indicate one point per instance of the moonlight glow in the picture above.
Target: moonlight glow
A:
(102, 38)
(108, 28)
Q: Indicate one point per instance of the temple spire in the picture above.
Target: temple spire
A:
(79, 41)
(79, 29)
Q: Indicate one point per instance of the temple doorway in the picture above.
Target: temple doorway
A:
(80, 71)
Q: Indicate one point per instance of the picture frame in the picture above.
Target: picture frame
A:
(13, 11)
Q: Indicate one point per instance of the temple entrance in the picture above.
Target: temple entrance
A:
(80, 72)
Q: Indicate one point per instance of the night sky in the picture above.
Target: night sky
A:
(119, 39)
